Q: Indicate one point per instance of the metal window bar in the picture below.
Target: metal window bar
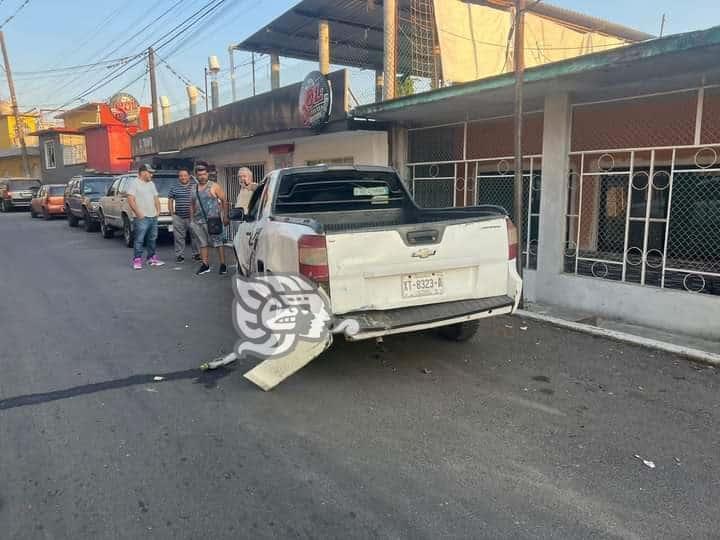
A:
(679, 231)
(667, 223)
(427, 185)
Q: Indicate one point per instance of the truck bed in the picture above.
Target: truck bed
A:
(342, 221)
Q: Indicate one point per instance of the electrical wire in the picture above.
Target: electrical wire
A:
(207, 9)
(107, 64)
(118, 47)
(11, 17)
(182, 78)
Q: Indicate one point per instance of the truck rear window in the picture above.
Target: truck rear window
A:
(338, 190)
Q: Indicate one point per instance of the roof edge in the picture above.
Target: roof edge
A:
(638, 51)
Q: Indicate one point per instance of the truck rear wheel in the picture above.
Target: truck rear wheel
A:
(463, 331)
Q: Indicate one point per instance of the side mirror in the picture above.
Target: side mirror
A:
(237, 214)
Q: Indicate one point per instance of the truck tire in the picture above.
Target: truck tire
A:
(127, 232)
(463, 331)
(32, 213)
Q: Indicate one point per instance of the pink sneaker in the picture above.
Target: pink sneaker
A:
(137, 263)
(154, 261)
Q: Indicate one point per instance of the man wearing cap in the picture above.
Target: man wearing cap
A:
(145, 204)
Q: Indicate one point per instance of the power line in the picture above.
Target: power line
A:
(11, 17)
(182, 78)
(118, 47)
(181, 28)
(107, 64)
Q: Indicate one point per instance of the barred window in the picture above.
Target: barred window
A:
(74, 150)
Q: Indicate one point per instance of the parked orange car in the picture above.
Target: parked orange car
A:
(49, 201)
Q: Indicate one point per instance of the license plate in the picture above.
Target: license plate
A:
(170, 228)
(414, 285)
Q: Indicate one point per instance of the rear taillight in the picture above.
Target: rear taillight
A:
(512, 236)
(312, 258)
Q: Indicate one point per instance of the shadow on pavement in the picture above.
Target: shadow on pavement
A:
(206, 378)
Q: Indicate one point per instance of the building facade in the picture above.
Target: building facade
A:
(11, 163)
(622, 175)
(264, 133)
(96, 138)
(62, 154)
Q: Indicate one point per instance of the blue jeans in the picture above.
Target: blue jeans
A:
(146, 233)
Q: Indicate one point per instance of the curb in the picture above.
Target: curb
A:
(698, 355)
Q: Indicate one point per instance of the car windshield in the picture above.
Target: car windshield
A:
(97, 186)
(164, 183)
(17, 185)
(56, 190)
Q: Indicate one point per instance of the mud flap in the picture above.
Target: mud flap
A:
(271, 372)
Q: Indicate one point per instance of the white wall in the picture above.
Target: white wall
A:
(365, 147)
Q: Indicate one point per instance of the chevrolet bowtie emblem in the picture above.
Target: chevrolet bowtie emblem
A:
(424, 253)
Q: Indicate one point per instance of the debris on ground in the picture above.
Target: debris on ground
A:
(647, 463)
(158, 379)
(153, 390)
(508, 326)
(523, 328)
(426, 371)
(187, 326)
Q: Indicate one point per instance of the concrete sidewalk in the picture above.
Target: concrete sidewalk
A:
(701, 350)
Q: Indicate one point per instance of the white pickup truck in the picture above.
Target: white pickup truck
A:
(382, 260)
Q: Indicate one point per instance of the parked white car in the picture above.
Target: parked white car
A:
(114, 212)
(382, 261)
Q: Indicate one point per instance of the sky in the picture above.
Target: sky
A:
(53, 34)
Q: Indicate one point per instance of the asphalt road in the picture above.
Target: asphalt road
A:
(522, 433)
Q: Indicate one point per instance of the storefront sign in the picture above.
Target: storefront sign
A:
(124, 107)
(315, 100)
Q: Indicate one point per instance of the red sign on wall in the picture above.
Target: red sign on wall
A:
(124, 107)
(315, 100)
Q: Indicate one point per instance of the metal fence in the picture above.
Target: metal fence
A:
(649, 216)
(482, 181)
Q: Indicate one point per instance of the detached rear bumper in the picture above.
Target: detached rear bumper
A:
(397, 321)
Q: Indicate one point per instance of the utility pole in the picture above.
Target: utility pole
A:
(153, 87)
(662, 24)
(389, 48)
(252, 56)
(519, 61)
(231, 53)
(19, 126)
(207, 105)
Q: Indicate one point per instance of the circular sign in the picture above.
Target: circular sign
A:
(124, 107)
(315, 100)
